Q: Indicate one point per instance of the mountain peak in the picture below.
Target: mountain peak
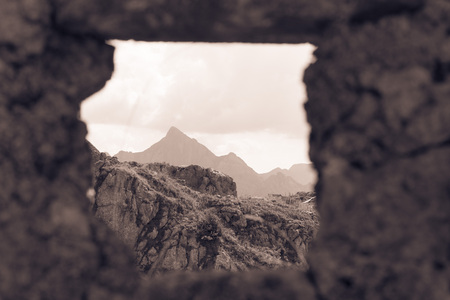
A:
(176, 148)
(175, 132)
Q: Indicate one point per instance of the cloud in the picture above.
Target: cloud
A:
(232, 95)
(207, 88)
(262, 150)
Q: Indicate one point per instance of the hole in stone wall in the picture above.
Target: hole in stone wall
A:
(242, 102)
(241, 98)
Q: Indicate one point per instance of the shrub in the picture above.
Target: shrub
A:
(209, 229)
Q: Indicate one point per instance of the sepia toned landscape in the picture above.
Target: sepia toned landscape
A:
(190, 218)
(76, 223)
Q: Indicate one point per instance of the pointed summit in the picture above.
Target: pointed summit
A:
(175, 148)
(178, 149)
(175, 132)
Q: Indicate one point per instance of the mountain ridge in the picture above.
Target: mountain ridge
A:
(176, 148)
(302, 173)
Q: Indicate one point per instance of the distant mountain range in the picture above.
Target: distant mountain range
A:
(301, 173)
(176, 148)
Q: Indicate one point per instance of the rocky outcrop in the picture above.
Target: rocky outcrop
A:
(173, 220)
(203, 180)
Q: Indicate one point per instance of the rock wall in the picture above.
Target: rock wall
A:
(52, 247)
(380, 141)
(378, 94)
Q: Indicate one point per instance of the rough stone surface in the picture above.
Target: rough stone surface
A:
(285, 284)
(200, 179)
(380, 142)
(159, 211)
(283, 21)
(51, 248)
(378, 106)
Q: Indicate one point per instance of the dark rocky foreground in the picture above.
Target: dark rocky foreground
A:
(378, 108)
(188, 218)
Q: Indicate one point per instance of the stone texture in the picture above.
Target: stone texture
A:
(240, 286)
(203, 180)
(51, 248)
(172, 223)
(201, 20)
(380, 141)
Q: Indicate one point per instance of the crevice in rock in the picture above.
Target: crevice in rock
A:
(373, 11)
(425, 149)
(440, 71)
(311, 277)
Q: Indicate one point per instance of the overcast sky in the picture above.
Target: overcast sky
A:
(246, 99)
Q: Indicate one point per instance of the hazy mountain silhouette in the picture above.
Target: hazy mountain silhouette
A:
(176, 148)
(304, 174)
